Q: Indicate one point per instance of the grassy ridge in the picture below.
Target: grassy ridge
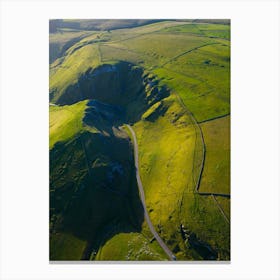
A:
(59, 42)
(196, 68)
(72, 67)
(65, 122)
(97, 24)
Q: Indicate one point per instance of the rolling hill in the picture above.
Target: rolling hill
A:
(170, 80)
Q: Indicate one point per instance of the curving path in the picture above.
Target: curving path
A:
(142, 197)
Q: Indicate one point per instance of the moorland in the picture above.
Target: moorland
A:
(166, 82)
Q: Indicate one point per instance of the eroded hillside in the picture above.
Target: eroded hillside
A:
(162, 79)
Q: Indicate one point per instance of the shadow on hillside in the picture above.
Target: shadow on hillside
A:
(121, 85)
(94, 196)
(93, 188)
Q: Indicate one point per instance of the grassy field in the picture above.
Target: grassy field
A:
(208, 30)
(160, 74)
(166, 155)
(225, 205)
(201, 78)
(215, 177)
(200, 215)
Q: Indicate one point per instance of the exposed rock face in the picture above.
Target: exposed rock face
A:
(122, 84)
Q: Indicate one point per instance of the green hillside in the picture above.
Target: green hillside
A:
(170, 80)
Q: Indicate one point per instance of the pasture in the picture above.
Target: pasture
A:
(175, 80)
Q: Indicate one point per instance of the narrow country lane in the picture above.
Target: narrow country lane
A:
(142, 197)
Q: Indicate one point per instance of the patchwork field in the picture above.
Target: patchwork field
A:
(170, 80)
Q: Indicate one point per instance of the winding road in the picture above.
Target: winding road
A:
(142, 197)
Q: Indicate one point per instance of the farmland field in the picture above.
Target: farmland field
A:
(216, 136)
(165, 196)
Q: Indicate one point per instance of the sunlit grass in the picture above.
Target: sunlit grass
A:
(130, 246)
(216, 177)
(65, 121)
(72, 67)
(169, 150)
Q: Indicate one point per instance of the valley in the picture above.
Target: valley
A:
(139, 140)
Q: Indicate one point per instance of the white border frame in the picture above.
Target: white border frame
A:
(255, 138)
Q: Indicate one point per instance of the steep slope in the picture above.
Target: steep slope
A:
(92, 184)
(93, 192)
(145, 76)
